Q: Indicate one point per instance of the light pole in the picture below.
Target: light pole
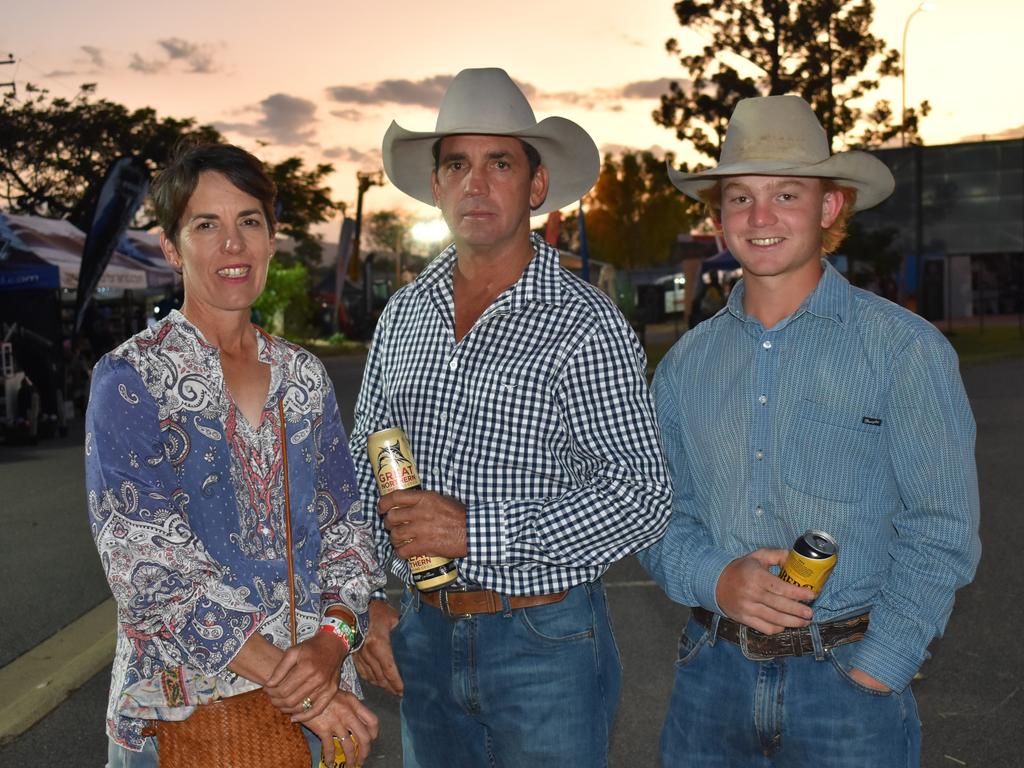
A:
(925, 6)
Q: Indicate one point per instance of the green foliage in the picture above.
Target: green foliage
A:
(54, 152)
(822, 50)
(976, 342)
(285, 307)
(634, 213)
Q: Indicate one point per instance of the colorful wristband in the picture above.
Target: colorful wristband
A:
(340, 629)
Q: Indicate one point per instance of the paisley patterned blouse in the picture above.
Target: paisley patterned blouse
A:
(186, 504)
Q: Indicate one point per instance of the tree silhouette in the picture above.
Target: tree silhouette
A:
(55, 152)
(822, 50)
(634, 214)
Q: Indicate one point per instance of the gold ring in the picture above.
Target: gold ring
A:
(307, 704)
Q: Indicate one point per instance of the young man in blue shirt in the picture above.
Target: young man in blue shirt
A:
(806, 403)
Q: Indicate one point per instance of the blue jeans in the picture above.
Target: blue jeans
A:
(534, 686)
(727, 710)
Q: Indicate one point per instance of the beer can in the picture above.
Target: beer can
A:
(811, 560)
(339, 753)
(395, 469)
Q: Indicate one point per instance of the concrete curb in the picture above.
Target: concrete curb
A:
(38, 681)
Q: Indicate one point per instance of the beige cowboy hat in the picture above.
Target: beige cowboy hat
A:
(781, 136)
(486, 101)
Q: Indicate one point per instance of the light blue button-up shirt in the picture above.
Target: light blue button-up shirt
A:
(848, 416)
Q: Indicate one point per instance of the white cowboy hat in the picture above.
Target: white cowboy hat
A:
(781, 136)
(486, 101)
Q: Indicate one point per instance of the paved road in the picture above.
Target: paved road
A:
(970, 697)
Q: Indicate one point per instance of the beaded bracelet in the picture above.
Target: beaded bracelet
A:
(340, 629)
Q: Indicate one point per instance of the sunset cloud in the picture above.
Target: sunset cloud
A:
(369, 158)
(422, 93)
(650, 89)
(347, 114)
(429, 91)
(146, 66)
(197, 58)
(285, 119)
(95, 56)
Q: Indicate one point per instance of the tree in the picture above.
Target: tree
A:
(55, 152)
(822, 50)
(634, 212)
(390, 230)
(303, 201)
(285, 306)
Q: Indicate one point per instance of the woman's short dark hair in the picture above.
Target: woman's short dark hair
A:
(174, 185)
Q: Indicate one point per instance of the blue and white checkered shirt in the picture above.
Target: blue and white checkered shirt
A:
(848, 416)
(539, 420)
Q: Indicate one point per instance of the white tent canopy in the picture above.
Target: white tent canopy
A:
(136, 265)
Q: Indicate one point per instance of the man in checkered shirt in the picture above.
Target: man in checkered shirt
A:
(523, 393)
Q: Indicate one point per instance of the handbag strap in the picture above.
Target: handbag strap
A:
(287, 519)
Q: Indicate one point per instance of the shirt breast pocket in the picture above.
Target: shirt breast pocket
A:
(830, 452)
(515, 413)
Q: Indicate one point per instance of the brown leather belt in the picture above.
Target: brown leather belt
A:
(454, 603)
(789, 642)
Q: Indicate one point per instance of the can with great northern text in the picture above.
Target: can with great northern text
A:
(811, 560)
(394, 468)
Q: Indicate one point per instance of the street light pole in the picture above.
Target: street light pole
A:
(925, 6)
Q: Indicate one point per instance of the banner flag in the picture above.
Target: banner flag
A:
(123, 191)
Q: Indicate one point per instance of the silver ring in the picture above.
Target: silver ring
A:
(307, 704)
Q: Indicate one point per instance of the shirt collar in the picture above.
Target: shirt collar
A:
(830, 299)
(268, 349)
(540, 282)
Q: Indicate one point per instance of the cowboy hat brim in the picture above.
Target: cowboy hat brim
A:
(864, 172)
(565, 149)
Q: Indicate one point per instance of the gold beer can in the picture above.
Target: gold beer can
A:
(339, 753)
(395, 469)
(811, 560)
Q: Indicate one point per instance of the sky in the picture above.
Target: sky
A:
(323, 79)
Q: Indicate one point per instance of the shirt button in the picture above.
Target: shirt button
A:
(759, 455)
(453, 364)
(763, 399)
(766, 344)
(758, 510)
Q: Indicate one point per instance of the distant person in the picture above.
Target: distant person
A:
(807, 404)
(205, 437)
(523, 394)
(26, 414)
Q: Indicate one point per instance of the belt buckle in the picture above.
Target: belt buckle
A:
(446, 609)
(745, 647)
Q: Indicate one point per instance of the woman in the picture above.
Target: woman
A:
(187, 476)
